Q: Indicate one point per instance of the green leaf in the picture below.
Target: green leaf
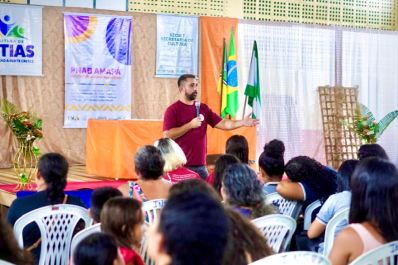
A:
(23, 178)
(19, 126)
(386, 120)
(365, 111)
(38, 124)
(36, 151)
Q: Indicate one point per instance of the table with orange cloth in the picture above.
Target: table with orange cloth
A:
(111, 144)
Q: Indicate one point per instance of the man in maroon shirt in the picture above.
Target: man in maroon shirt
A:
(185, 121)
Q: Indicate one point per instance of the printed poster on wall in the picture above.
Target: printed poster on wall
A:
(20, 40)
(97, 68)
(177, 46)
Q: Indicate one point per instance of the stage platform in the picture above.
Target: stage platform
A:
(77, 173)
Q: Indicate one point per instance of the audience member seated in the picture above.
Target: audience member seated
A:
(194, 185)
(9, 249)
(308, 181)
(335, 203)
(98, 249)
(247, 244)
(371, 150)
(174, 157)
(373, 212)
(51, 182)
(272, 165)
(98, 198)
(238, 146)
(222, 163)
(192, 229)
(149, 165)
(123, 219)
(243, 191)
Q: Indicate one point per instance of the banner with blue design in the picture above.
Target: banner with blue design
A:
(97, 68)
(177, 46)
(20, 40)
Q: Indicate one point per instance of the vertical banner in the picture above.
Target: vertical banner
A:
(176, 46)
(20, 40)
(97, 68)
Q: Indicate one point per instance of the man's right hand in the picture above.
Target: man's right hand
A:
(195, 123)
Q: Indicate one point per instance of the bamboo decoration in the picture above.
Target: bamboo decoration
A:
(338, 105)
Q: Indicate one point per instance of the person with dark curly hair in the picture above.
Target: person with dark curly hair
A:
(151, 185)
(238, 146)
(373, 214)
(371, 150)
(272, 165)
(51, 182)
(9, 249)
(242, 190)
(309, 181)
(335, 203)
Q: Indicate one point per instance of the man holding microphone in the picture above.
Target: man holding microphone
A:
(185, 121)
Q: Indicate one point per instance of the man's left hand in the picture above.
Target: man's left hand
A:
(249, 122)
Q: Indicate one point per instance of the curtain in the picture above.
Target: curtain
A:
(370, 62)
(293, 60)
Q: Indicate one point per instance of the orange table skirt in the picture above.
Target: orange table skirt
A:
(112, 144)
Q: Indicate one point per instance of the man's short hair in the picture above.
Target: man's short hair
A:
(99, 197)
(184, 78)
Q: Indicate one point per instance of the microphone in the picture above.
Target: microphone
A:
(197, 106)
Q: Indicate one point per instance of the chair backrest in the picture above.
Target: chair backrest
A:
(144, 248)
(386, 254)
(152, 209)
(82, 235)
(331, 229)
(56, 224)
(278, 229)
(308, 213)
(294, 258)
(286, 207)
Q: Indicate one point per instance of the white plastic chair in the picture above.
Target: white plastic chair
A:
(152, 209)
(278, 229)
(56, 224)
(386, 254)
(294, 258)
(331, 229)
(82, 235)
(286, 207)
(308, 213)
(144, 249)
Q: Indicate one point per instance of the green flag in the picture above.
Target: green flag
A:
(252, 90)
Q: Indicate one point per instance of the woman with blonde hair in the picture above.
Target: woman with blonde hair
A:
(174, 157)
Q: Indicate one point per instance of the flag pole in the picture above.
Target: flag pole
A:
(244, 108)
(222, 74)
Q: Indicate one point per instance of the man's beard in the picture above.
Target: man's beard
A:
(191, 96)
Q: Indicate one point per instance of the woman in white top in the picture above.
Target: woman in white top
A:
(373, 215)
